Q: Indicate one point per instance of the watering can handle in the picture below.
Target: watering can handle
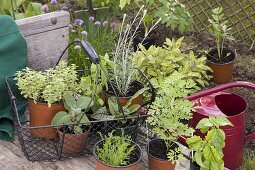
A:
(220, 88)
(198, 95)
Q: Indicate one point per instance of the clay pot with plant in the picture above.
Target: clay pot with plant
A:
(117, 152)
(74, 128)
(220, 59)
(212, 143)
(45, 91)
(166, 116)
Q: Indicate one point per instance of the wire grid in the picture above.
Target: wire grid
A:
(240, 14)
(36, 146)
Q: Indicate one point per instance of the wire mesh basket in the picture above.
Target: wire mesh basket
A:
(61, 145)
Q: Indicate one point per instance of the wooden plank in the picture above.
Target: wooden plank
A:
(47, 37)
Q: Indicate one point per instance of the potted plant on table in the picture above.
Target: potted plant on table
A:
(166, 116)
(45, 92)
(220, 59)
(73, 135)
(117, 152)
(207, 152)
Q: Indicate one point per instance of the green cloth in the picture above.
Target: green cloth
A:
(13, 57)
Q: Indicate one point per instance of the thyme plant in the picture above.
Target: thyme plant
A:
(115, 150)
(219, 31)
(169, 110)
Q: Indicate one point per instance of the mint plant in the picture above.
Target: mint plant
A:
(114, 112)
(169, 110)
(208, 151)
(219, 31)
(158, 63)
(115, 150)
(75, 117)
(49, 86)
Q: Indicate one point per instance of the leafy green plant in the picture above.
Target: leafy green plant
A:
(172, 13)
(168, 111)
(158, 63)
(114, 112)
(48, 86)
(100, 34)
(75, 117)
(219, 31)
(115, 150)
(20, 8)
(208, 151)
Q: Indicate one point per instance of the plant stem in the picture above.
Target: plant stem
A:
(13, 10)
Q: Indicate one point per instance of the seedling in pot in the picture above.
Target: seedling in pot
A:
(207, 152)
(220, 32)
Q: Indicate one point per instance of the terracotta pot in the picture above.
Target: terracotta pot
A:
(123, 100)
(158, 163)
(222, 73)
(73, 143)
(102, 166)
(41, 115)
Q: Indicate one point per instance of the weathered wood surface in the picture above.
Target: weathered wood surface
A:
(12, 158)
(47, 37)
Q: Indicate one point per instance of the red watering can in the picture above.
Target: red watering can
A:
(216, 102)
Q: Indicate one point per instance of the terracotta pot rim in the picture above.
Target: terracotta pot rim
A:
(126, 166)
(235, 56)
(42, 103)
(147, 149)
(126, 97)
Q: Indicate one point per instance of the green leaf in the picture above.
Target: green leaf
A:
(33, 9)
(195, 142)
(69, 101)
(113, 106)
(84, 119)
(84, 102)
(216, 137)
(133, 108)
(138, 93)
(77, 129)
(198, 159)
(101, 114)
(60, 118)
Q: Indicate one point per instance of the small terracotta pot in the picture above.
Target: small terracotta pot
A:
(41, 115)
(158, 163)
(102, 166)
(222, 73)
(73, 143)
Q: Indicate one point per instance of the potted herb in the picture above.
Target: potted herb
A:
(158, 63)
(166, 116)
(122, 78)
(76, 130)
(220, 59)
(129, 126)
(45, 92)
(117, 152)
(207, 152)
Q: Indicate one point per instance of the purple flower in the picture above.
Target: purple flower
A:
(77, 40)
(105, 23)
(113, 25)
(78, 22)
(73, 31)
(54, 2)
(84, 33)
(77, 47)
(97, 23)
(45, 8)
(91, 18)
(70, 26)
(64, 8)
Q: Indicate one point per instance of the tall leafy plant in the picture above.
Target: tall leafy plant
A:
(158, 63)
(168, 111)
(208, 151)
(219, 31)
